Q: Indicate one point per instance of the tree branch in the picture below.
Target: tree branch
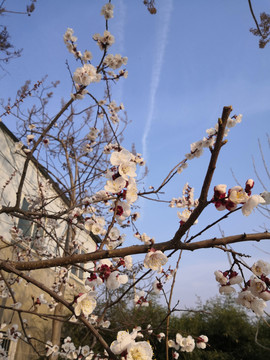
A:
(132, 250)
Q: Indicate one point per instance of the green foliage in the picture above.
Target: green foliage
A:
(231, 331)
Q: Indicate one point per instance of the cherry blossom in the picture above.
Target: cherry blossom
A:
(123, 340)
(115, 61)
(128, 262)
(147, 240)
(226, 289)
(155, 259)
(247, 299)
(201, 341)
(115, 280)
(157, 287)
(266, 196)
(186, 344)
(140, 299)
(261, 267)
(251, 203)
(139, 350)
(237, 195)
(160, 336)
(86, 75)
(107, 11)
(119, 157)
(85, 303)
(104, 41)
(115, 186)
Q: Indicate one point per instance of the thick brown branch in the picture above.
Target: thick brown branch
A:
(208, 177)
(132, 250)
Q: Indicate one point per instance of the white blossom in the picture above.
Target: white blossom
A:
(123, 340)
(238, 195)
(127, 170)
(119, 157)
(186, 344)
(266, 196)
(115, 280)
(104, 41)
(256, 286)
(115, 61)
(160, 336)
(87, 56)
(247, 299)
(201, 342)
(107, 11)
(128, 262)
(132, 192)
(261, 267)
(226, 289)
(155, 260)
(220, 277)
(251, 203)
(86, 74)
(141, 350)
(115, 186)
(86, 304)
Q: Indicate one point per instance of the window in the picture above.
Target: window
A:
(24, 224)
(76, 270)
(5, 342)
(30, 229)
(8, 346)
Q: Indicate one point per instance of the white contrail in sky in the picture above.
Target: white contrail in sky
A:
(162, 36)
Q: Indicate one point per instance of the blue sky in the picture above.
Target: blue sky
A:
(185, 63)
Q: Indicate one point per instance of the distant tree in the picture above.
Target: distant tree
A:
(7, 50)
(231, 331)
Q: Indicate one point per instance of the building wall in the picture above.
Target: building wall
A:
(11, 163)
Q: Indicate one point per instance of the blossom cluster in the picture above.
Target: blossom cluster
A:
(88, 73)
(113, 111)
(115, 61)
(107, 272)
(91, 140)
(147, 240)
(104, 41)
(126, 346)
(187, 344)
(196, 148)
(186, 201)
(235, 196)
(256, 290)
(69, 351)
(107, 11)
(121, 183)
(226, 279)
(140, 299)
